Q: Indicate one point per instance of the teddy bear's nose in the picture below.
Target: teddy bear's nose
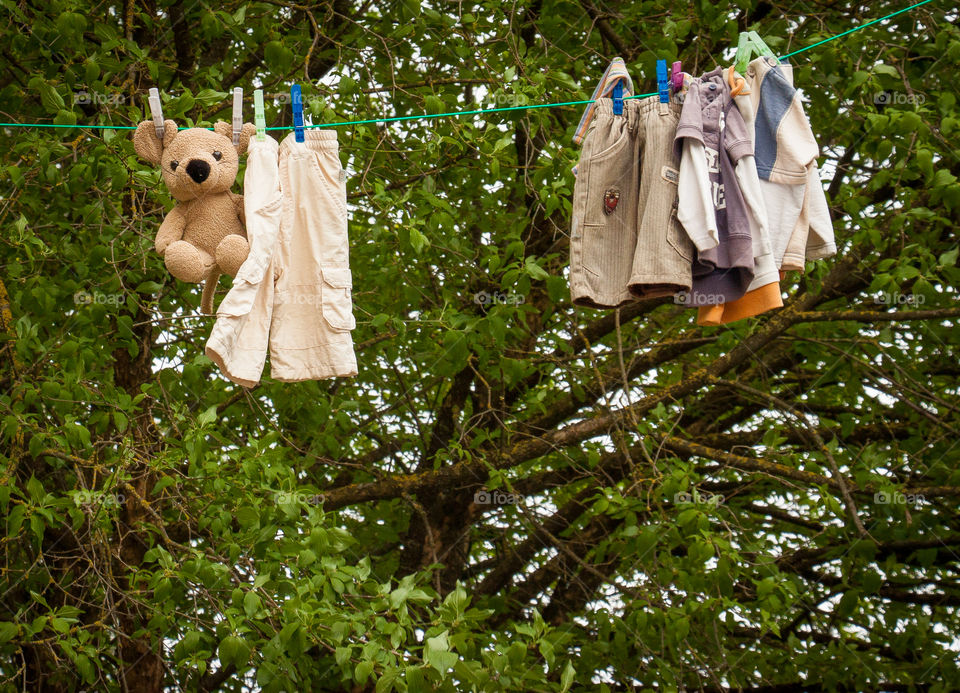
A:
(198, 170)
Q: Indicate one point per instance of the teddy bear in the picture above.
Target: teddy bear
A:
(204, 235)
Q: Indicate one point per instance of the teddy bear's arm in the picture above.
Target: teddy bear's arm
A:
(171, 229)
(238, 204)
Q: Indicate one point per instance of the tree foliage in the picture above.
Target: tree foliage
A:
(514, 494)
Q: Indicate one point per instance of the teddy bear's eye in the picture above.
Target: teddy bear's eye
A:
(173, 165)
(217, 156)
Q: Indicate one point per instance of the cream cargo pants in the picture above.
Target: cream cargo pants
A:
(293, 293)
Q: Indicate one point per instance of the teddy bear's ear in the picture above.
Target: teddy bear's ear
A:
(248, 131)
(226, 129)
(146, 144)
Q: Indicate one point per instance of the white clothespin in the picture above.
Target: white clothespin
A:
(237, 114)
(156, 111)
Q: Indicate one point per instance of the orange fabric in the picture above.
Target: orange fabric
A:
(736, 89)
(752, 303)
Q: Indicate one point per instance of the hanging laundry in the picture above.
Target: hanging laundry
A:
(625, 239)
(798, 216)
(763, 293)
(293, 293)
(718, 220)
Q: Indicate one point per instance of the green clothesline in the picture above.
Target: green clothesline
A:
(453, 114)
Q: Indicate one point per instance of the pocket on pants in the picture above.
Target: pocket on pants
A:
(593, 249)
(336, 298)
(263, 226)
(329, 171)
(605, 149)
(677, 236)
(608, 184)
(679, 239)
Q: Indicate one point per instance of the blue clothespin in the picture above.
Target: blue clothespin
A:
(618, 98)
(663, 82)
(297, 100)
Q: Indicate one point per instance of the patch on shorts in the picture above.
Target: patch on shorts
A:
(669, 174)
(610, 200)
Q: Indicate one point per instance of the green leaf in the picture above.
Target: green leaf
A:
(534, 270)
(85, 668)
(566, 678)
(148, 288)
(234, 650)
(437, 654)
(209, 97)
(190, 641)
(418, 240)
(362, 671)
(848, 603)
(251, 604)
(50, 98)
(882, 69)
(208, 416)
(433, 104)
(65, 117)
(8, 631)
(71, 25)
(942, 178)
(277, 56)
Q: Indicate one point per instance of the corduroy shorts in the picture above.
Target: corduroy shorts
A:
(293, 292)
(625, 239)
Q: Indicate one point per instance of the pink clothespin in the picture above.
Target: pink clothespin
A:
(676, 76)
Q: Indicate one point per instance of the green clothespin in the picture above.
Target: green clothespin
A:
(258, 118)
(749, 44)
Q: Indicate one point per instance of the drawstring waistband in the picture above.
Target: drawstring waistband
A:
(316, 140)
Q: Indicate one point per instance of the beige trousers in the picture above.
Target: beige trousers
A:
(293, 293)
(625, 239)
